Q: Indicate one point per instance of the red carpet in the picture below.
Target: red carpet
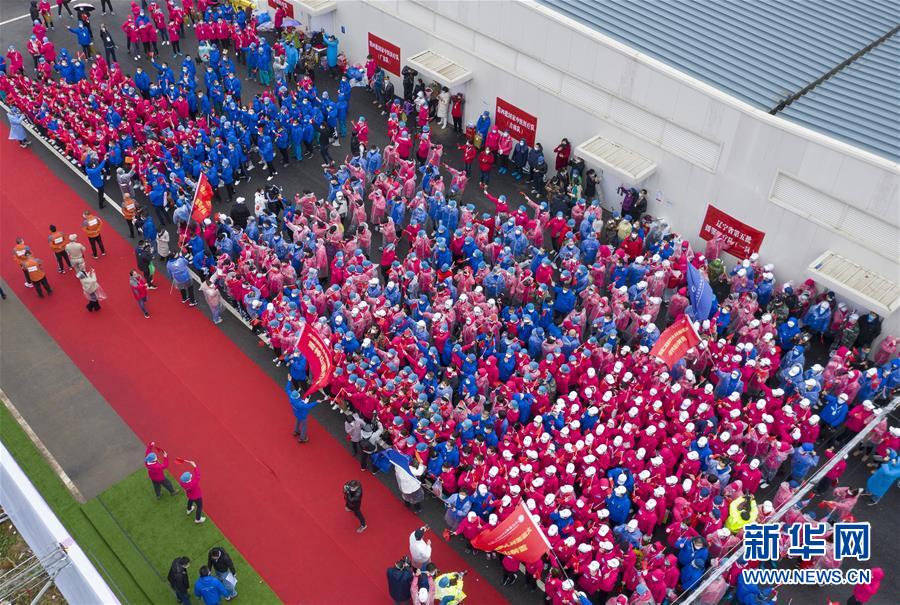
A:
(180, 381)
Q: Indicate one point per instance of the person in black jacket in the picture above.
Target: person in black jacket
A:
(409, 81)
(179, 580)
(143, 254)
(221, 565)
(869, 330)
(240, 213)
(109, 45)
(324, 142)
(387, 95)
(399, 578)
(353, 502)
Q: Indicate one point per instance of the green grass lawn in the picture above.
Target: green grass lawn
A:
(129, 535)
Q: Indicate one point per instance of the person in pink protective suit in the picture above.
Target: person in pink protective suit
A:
(190, 483)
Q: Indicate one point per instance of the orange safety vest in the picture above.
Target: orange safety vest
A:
(57, 241)
(19, 251)
(92, 225)
(33, 268)
(128, 207)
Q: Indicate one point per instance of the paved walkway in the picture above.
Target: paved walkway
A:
(91, 443)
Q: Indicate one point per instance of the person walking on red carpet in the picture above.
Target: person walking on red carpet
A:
(92, 225)
(57, 241)
(20, 252)
(91, 289)
(139, 290)
(157, 461)
(301, 408)
(190, 483)
(75, 251)
(353, 502)
(34, 270)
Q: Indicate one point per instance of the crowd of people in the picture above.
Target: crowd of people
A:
(506, 353)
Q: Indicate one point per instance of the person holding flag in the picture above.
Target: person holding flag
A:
(301, 408)
(157, 461)
(408, 480)
(703, 303)
(190, 483)
(178, 271)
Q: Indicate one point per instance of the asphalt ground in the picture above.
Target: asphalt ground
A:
(308, 174)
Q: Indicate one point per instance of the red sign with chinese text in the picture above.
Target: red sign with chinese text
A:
(283, 4)
(517, 536)
(318, 357)
(520, 124)
(386, 55)
(741, 240)
(677, 340)
(202, 206)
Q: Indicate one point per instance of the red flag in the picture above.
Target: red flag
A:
(676, 341)
(202, 199)
(517, 536)
(318, 357)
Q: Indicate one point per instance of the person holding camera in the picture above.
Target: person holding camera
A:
(353, 502)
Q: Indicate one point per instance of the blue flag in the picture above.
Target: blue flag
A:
(700, 294)
(400, 461)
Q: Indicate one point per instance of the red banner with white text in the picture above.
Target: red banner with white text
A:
(318, 357)
(741, 240)
(520, 124)
(675, 341)
(284, 5)
(386, 55)
(202, 207)
(517, 536)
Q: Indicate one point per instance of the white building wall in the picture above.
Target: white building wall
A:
(709, 147)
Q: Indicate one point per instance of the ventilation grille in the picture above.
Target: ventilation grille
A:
(440, 68)
(617, 158)
(317, 7)
(856, 282)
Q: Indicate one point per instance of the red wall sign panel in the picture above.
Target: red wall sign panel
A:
(741, 240)
(386, 55)
(520, 124)
(287, 6)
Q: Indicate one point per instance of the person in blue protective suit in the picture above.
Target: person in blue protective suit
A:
(483, 125)
(818, 318)
(795, 356)
(803, 460)
(628, 535)
(619, 505)
(95, 175)
(563, 301)
(301, 408)
(536, 343)
(884, 478)
(178, 271)
(298, 370)
(693, 557)
(729, 382)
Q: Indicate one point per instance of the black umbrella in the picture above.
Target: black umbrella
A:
(84, 6)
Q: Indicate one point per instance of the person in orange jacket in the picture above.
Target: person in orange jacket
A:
(34, 269)
(92, 226)
(129, 209)
(57, 241)
(20, 253)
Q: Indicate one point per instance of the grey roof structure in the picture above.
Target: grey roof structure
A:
(770, 52)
